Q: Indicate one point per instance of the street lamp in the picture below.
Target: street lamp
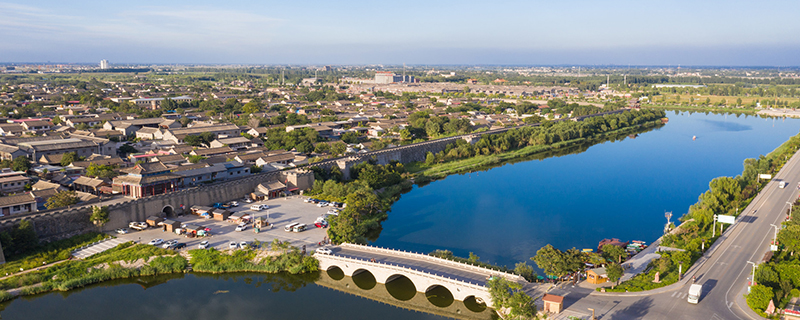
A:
(791, 204)
(775, 238)
(680, 270)
(753, 281)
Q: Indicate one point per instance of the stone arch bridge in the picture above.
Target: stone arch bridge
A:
(463, 281)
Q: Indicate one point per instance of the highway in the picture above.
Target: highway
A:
(723, 271)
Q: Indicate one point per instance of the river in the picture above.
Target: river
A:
(503, 214)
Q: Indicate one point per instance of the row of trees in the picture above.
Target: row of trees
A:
(546, 134)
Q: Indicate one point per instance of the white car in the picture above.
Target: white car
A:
(233, 245)
(156, 242)
(122, 231)
(323, 250)
(322, 204)
(169, 244)
(247, 200)
(334, 212)
(234, 204)
(259, 207)
(241, 227)
(243, 245)
(203, 245)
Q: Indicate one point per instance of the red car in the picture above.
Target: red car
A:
(321, 224)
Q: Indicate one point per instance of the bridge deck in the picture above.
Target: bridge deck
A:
(454, 272)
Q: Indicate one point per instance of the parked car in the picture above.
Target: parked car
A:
(243, 245)
(203, 245)
(321, 224)
(241, 227)
(138, 225)
(247, 200)
(233, 245)
(122, 231)
(322, 204)
(169, 244)
(334, 212)
(179, 245)
(323, 250)
(234, 203)
(156, 242)
(259, 207)
(307, 200)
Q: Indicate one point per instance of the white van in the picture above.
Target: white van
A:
(694, 293)
(291, 226)
(259, 207)
(299, 227)
(782, 184)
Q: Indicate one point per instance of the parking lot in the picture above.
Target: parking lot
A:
(282, 211)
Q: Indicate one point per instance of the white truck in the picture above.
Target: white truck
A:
(782, 184)
(694, 293)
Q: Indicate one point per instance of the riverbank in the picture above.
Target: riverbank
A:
(734, 110)
(725, 196)
(424, 172)
(130, 260)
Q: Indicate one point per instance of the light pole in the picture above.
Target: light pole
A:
(714, 227)
(704, 246)
(680, 270)
(791, 205)
(775, 238)
(753, 280)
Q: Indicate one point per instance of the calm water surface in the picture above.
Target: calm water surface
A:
(619, 189)
(503, 215)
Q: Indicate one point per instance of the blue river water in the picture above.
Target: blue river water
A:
(503, 214)
(612, 190)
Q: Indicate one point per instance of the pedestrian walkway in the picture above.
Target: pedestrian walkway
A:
(96, 248)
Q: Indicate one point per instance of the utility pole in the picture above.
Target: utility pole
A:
(714, 227)
(753, 280)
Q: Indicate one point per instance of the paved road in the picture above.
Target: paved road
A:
(421, 264)
(724, 273)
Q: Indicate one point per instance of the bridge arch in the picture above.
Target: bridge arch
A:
(400, 287)
(475, 304)
(335, 272)
(439, 295)
(364, 279)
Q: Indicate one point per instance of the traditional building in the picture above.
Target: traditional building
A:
(146, 179)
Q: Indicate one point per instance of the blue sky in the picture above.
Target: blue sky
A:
(391, 32)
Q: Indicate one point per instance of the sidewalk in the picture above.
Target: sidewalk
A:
(97, 248)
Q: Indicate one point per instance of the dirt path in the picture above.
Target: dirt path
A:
(32, 270)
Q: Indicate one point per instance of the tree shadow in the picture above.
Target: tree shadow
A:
(636, 310)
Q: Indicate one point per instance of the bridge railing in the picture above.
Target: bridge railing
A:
(508, 276)
(399, 268)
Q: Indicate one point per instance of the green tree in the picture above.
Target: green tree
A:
(430, 158)
(304, 147)
(350, 137)
(127, 149)
(99, 215)
(614, 272)
(507, 294)
(551, 261)
(613, 253)
(100, 171)
(759, 297)
(338, 148)
(61, 199)
(405, 135)
(21, 164)
(322, 148)
(790, 237)
(68, 158)
(525, 270)
(193, 140)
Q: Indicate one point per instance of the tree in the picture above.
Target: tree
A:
(68, 158)
(62, 199)
(193, 140)
(322, 148)
(304, 147)
(790, 237)
(21, 164)
(127, 149)
(759, 297)
(506, 294)
(613, 253)
(405, 135)
(430, 158)
(525, 270)
(350, 137)
(100, 171)
(551, 261)
(338, 148)
(99, 215)
(614, 272)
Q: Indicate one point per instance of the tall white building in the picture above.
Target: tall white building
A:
(104, 64)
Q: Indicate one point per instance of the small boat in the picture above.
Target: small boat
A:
(694, 138)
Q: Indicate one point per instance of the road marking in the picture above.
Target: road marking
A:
(674, 293)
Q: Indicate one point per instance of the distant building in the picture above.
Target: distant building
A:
(104, 64)
(390, 77)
